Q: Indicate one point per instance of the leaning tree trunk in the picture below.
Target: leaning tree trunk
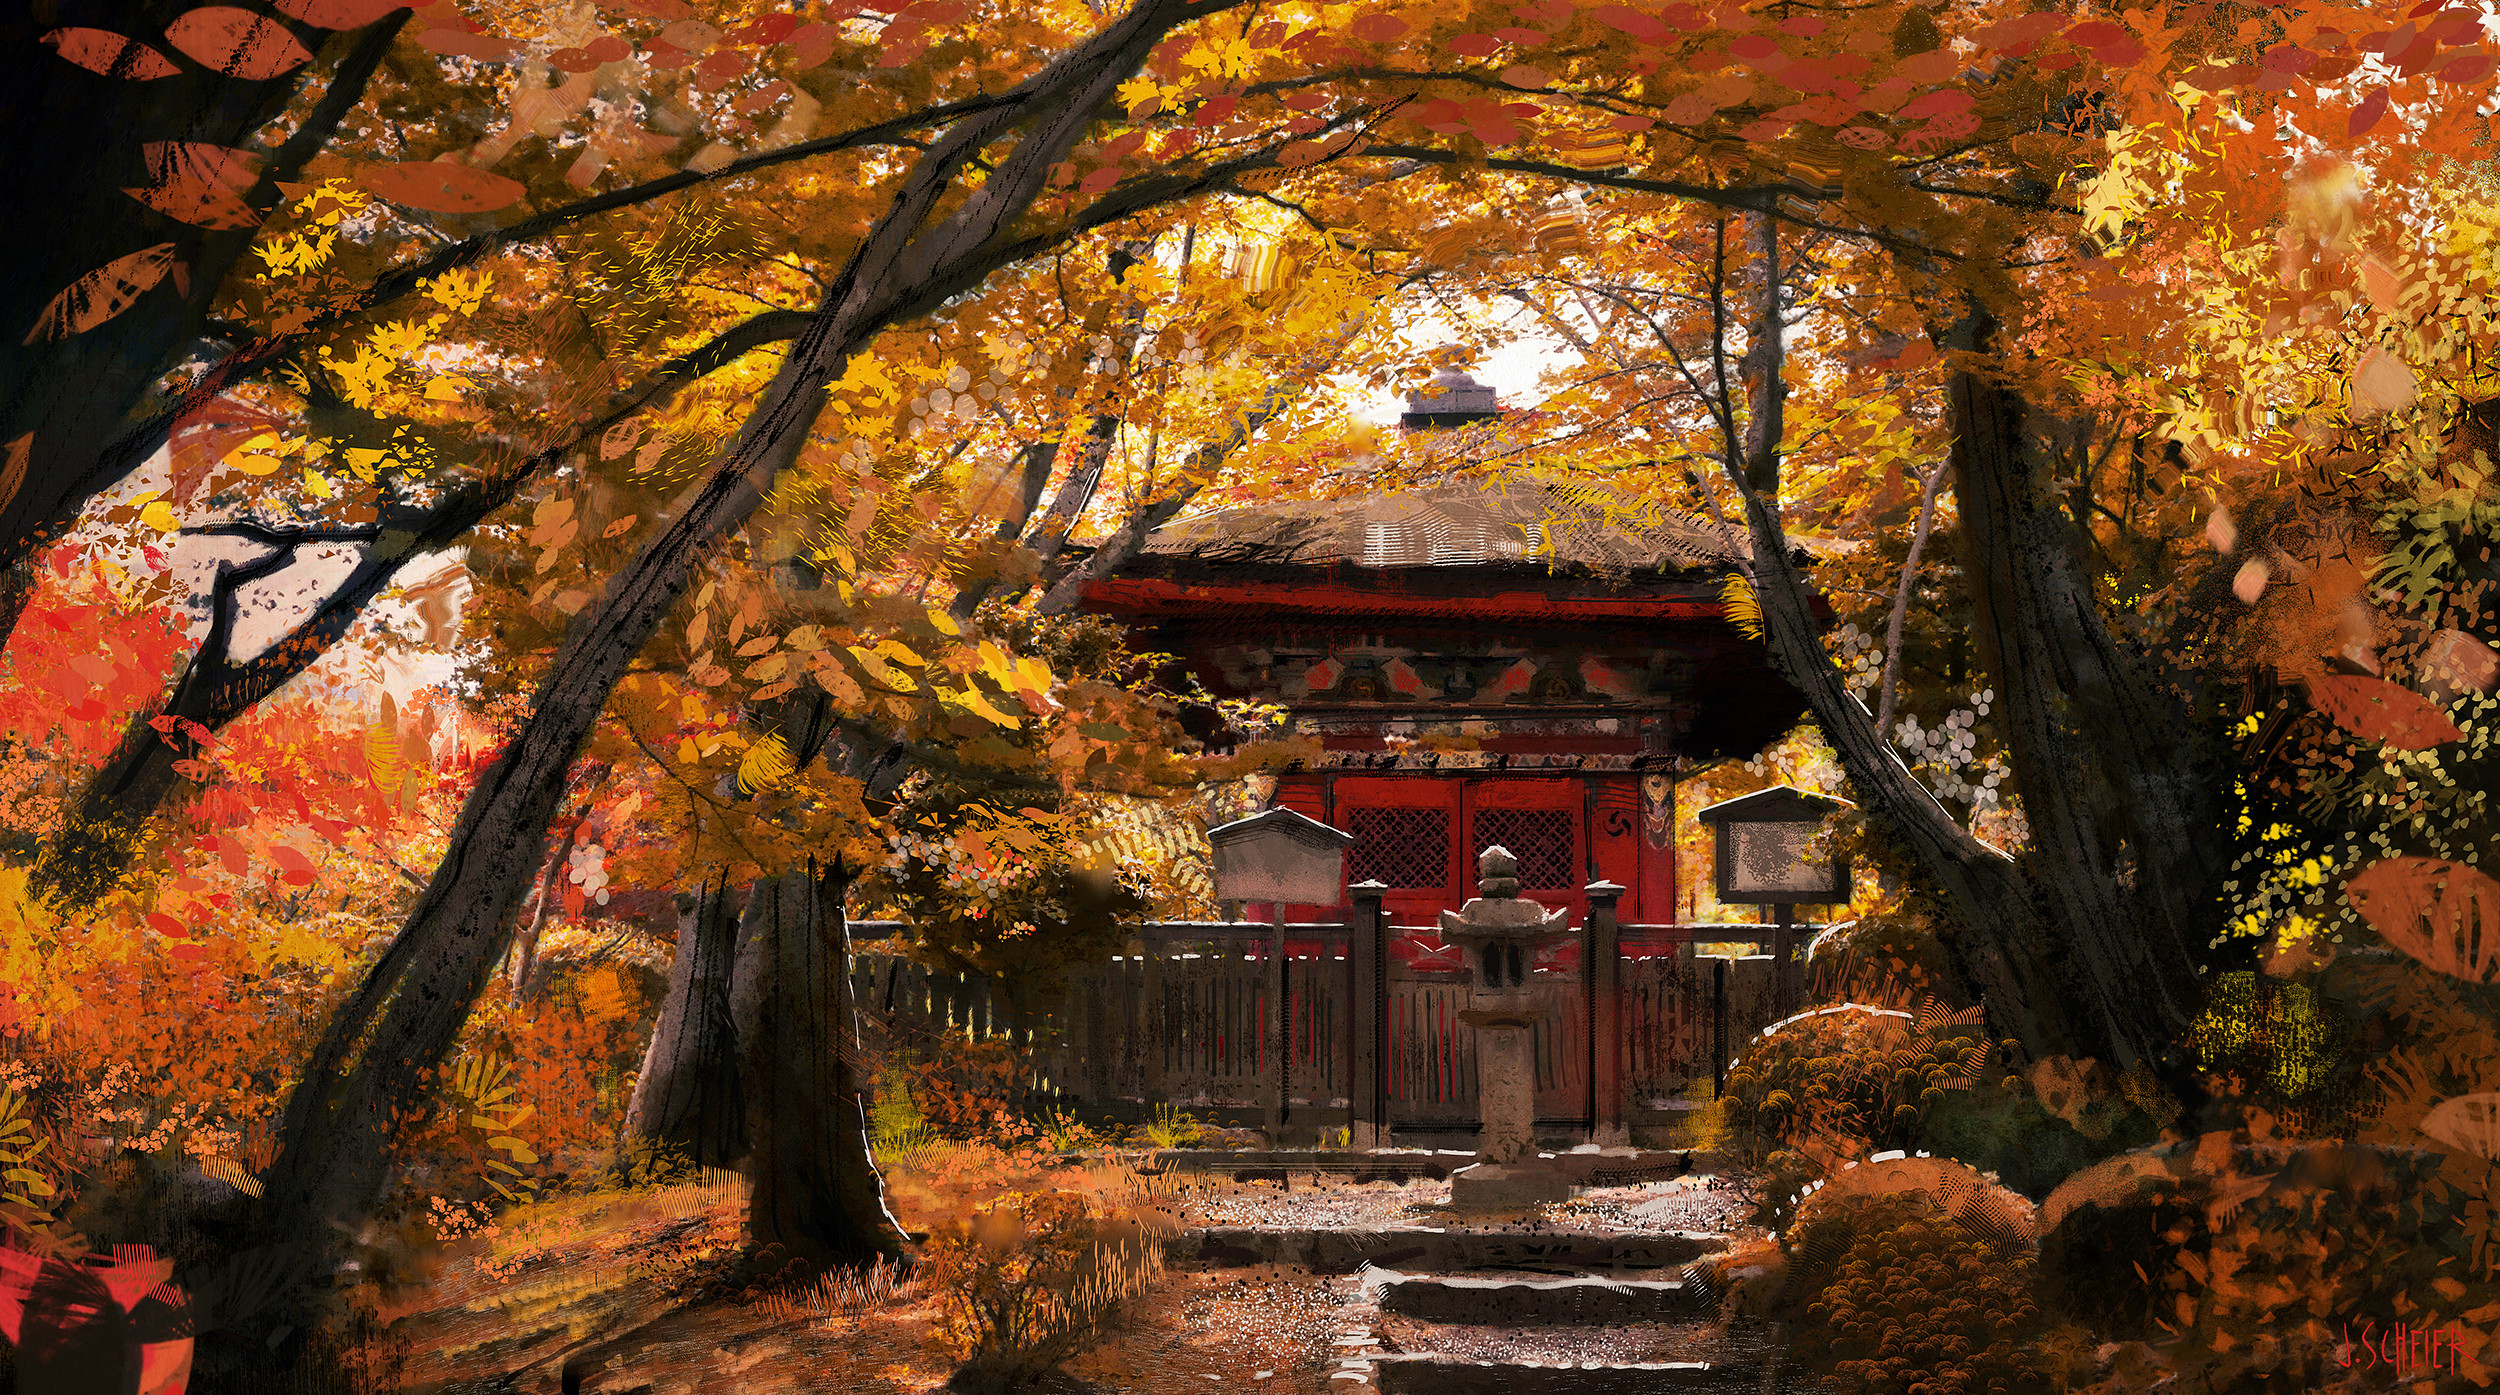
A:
(371, 1071)
(1997, 941)
(817, 1198)
(2123, 793)
(688, 1103)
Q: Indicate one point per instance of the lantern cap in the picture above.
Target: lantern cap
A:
(1779, 804)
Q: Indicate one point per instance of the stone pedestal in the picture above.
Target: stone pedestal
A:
(1505, 1077)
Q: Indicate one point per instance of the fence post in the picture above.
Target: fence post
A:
(1279, 1035)
(1601, 990)
(1367, 1001)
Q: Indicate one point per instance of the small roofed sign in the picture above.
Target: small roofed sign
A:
(1281, 856)
(1767, 849)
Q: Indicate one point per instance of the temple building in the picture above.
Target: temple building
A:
(1511, 664)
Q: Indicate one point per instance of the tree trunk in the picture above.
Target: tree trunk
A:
(371, 1070)
(689, 1100)
(2123, 795)
(818, 1199)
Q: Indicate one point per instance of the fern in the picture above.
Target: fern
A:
(479, 1081)
(232, 1173)
(21, 1184)
(1744, 609)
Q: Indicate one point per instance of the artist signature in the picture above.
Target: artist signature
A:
(2401, 1346)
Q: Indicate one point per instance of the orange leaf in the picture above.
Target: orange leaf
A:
(194, 182)
(13, 472)
(2445, 914)
(2377, 710)
(103, 293)
(237, 43)
(439, 186)
(103, 51)
(335, 14)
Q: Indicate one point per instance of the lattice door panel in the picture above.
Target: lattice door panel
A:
(1403, 849)
(1542, 840)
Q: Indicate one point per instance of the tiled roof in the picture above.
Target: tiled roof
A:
(1457, 525)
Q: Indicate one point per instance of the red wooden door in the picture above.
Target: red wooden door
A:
(1406, 838)
(1540, 821)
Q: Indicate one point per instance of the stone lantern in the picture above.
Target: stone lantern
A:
(1500, 934)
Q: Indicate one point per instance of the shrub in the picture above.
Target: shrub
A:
(895, 1123)
(1870, 1071)
(2197, 1246)
(1172, 1127)
(1032, 1279)
(965, 1088)
(1918, 1275)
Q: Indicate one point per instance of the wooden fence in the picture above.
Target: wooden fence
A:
(1190, 1017)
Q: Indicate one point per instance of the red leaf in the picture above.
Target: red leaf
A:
(197, 183)
(2445, 914)
(335, 14)
(1099, 180)
(1475, 45)
(771, 29)
(1952, 99)
(100, 50)
(2377, 710)
(1645, 28)
(292, 864)
(1757, 49)
(167, 925)
(2367, 114)
(439, 186)
(485, 48)
(2466, 68)
(1378, 29)
(237, 43)
(574, 60)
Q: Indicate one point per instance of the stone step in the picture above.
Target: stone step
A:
(1417, 1249)
(1623, 1167)
(1425, 1374)
(1541, 1303)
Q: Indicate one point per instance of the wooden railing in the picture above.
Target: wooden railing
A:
(1201, 1013)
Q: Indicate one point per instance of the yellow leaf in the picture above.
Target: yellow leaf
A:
(980, 705)
(765, 764)
(159, 515)
(686, 753)
(319, 484)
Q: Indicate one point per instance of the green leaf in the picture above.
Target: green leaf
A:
(1103, 731)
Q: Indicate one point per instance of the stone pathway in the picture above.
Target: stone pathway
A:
(1583, 1297)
